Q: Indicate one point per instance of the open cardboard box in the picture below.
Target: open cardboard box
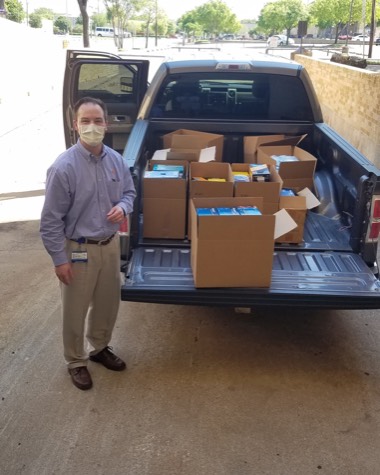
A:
(296, 175)
(234, 251)
(203, 189)
(253, 142)
(268, 190)
(297, 207)
(165, 204)
(192, 139)
(190, 155)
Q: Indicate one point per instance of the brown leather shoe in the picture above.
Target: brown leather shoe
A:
(80, 377)
(109, 360)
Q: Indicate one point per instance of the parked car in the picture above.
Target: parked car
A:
(281, 40)
(344, 37)
(377, 41)
(360, 38)
(228, 37)
(104, 31)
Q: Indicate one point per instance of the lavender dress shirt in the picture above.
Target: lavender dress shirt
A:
(80, 190)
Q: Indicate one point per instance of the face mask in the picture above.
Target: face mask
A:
(92, 134)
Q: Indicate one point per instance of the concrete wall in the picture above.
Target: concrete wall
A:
(350, 100)
(31, 78)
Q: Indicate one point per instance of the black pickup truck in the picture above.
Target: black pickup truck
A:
(336, 264)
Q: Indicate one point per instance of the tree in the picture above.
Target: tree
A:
(215, 18)
(282, 15)
(148, 15)
(189, 23)
(62, 24)
(45, 13)
(83, 10)
(35, 20)
(98, 19)
(338, 13)
(120, 11)
(15, 11)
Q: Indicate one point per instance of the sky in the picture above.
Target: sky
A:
(173, 8)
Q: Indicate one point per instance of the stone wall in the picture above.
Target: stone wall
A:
(350, 101)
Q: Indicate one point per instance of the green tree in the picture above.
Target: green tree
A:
(120, 11)
(338, 13)
(98, 19)
(62, 24)
(215, 18)
(35, 20)
(188, 23)
(282, 15)
(15, 11)
(45, 13)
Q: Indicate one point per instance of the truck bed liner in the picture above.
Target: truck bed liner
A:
(324, 271)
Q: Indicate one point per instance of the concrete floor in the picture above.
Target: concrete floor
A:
(207, 391)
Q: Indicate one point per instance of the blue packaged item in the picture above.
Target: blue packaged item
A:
(207, 212)
(169, 168)
(227, 211)
(248, 210)
(260, 172)
(162, 174)
(287, 192)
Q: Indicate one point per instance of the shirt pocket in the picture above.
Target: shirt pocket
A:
(115, 190)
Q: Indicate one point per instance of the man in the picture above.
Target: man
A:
(89, 191)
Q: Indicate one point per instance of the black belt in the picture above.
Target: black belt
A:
(101, 242)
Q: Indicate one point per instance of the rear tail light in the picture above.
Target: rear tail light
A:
(376, 209)
(374, 225)
(374, 231)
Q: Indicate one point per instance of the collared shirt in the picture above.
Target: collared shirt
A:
(80, 190)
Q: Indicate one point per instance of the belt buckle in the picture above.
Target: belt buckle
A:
(103, 242)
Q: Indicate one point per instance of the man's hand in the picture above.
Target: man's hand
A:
(64, 273)
(116, 215)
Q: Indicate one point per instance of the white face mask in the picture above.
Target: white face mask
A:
(92, 134)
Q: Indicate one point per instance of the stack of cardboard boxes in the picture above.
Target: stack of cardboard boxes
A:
(230, 250)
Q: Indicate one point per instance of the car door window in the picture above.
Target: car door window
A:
(113, 83)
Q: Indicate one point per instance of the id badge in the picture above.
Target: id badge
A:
(79, 256)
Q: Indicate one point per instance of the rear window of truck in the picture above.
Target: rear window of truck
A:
(236, 96)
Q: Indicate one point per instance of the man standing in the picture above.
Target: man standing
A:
(89, 191)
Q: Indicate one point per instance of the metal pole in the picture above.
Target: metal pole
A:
(364, 23)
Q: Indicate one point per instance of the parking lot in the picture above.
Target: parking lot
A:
(208, 391)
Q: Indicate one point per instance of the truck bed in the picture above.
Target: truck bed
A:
(323, 270)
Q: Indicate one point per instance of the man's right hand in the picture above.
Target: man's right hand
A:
(64, 273)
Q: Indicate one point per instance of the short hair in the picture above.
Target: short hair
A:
(90, 100)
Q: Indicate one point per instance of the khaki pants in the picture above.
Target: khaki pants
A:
(93, 298)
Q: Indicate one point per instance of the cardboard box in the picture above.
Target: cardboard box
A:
(297, 207)
(165, 204)
(296, 175)
(269, 191)
(233, 251)
(192, 139)
(201, 189)
(204, 189)
(190, 155)
(253, 142)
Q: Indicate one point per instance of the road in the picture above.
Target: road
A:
(208, 391)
